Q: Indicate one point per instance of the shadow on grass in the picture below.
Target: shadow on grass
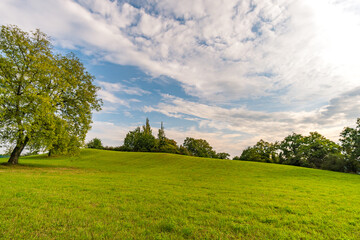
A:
(33, 166)
(24, 164)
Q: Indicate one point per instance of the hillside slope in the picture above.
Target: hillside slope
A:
(118, 195)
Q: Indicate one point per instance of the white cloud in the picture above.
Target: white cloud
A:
(108, 93)
(219, 141)
(107, 96)
(219, 51)
(118, 87)
(108, 109)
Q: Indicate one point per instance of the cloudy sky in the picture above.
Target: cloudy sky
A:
(228, 71)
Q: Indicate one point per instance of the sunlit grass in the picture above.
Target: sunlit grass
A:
(116, 195)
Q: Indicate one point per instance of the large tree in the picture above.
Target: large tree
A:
(46, 99)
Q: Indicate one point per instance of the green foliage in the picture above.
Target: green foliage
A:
(95, 143)
(184, 151)
(250, 154)
(126, 195)
(262, 151)
(140, 140)
(222, 155)
(165, 144)
(132, 140)
(350, 141)
(290, 152)
(334, 162)
(42, 94)
(169, 146)
(161, 136)
(313, 151)
(199, 148)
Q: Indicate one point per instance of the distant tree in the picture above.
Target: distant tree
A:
(313, 151)
(95, 143)
(262, 151)
(184, 151)
(199, 148)
(161, 137)
(117, 148)
(132, 141)
(316, 149)
(165, 144)
(290, 152)
(223, 155)
(350, 142)
(41, 94)
(251, 154)
(140, 140)
(147, 139)
(334, 162)
(170, 146)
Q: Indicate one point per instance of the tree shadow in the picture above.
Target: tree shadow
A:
(24, 164)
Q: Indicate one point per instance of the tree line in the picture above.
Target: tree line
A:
(313, 151)
(141, 139)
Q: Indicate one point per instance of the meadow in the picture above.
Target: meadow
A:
(123, 195)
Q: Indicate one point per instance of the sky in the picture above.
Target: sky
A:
(229, 71)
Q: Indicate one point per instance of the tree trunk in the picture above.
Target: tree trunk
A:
(14, 157)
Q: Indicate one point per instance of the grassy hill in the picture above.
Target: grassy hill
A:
(116, 195)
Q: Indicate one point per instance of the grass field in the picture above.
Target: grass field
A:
(116, 195)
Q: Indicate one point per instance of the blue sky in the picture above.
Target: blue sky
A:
(232, 72)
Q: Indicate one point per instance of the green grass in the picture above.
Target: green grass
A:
(115, 195)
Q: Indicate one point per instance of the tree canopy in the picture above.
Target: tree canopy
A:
(46, 99)
(140, 140)
(199, 148)
(350, 141)
(262, 151)
(313, 151)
